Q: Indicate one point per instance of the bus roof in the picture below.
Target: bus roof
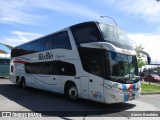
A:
(76, 25)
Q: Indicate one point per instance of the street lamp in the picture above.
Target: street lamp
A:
(110, 18)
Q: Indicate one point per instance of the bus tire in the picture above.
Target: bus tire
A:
(71, 92)
(23, 82)
(18, 81)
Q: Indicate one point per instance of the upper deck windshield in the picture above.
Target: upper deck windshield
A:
(115, 36)
(123, 68)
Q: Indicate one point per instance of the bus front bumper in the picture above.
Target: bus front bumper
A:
(117, 97)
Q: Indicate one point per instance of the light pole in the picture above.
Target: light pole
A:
(110, 18)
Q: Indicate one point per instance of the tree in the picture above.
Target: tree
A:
(140, 56)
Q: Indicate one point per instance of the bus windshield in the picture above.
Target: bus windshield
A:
(115, 36)
(123, 68)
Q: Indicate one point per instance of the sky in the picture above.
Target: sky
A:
(25, 20)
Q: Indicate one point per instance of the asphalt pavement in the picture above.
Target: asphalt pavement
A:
(14, 98)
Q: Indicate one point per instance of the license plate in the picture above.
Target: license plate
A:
(131, 98)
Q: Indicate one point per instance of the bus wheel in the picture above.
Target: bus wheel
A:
(72, 92)
(23, 82)
(18, 81)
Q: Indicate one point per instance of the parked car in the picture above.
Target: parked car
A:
(152, 78)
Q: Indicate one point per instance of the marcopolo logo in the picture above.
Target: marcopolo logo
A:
(48, 55)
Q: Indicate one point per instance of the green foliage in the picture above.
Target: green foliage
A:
(150, 88)
(141, 62)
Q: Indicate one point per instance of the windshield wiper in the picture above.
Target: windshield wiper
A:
(124, 79)
(119, 78)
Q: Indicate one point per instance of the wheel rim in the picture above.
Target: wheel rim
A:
(73, 94)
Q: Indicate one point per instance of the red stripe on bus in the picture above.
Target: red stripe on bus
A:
(19, 61)
(130, 87)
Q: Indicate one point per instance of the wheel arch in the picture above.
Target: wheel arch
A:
(68, 83)
(17, 78)
(22, 78)
(71, 90)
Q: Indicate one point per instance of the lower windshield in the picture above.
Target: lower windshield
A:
(123, 68)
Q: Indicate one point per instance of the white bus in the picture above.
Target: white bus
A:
(90, 60)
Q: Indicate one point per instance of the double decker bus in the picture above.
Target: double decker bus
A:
(90, 60)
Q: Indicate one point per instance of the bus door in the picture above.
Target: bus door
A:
(95, 80)
(84, 86)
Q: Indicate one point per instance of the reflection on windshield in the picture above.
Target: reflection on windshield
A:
(123, 67)
(115, 36)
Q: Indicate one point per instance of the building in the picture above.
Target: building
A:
(5, 50)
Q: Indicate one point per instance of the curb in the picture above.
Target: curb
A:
(151, 93)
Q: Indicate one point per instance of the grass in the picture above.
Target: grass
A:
(146, 87)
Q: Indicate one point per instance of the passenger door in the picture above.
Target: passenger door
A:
(96, 80)
(96, 88)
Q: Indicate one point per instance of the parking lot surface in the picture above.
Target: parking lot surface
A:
(26, 101)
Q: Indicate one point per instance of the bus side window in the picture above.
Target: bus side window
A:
(93, 61)
(61, 40)
(85, 34)
(63, 68)
(96, 67)
(12, 68)
(68, 69)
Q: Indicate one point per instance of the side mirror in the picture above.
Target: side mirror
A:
(149, 60)
(148, 56)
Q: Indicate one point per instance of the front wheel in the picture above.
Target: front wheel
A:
(72, 92)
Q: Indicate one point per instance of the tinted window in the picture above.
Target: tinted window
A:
(115, 36)
(46, 43)
(67, 69)
(96, 66)
(86, 33)
(58, 40)
(35, 46)
(51, 68)
(12, 68)
(92, 60)
(61, 40)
